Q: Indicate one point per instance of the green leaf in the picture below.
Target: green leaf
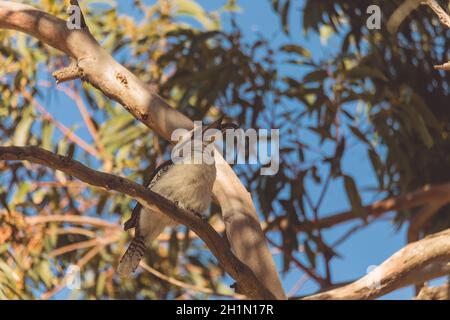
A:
(285, 16)
(354, 197)
(21, 193)
(377, 166)
(418, 125)
(292, 48)
(361, 72)
(325, 32)
(193, 9)
(45, 273)
(316, 76)
(22, 131)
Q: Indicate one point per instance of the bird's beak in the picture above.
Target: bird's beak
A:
(215, 125)
(225, 126)
(218, 125)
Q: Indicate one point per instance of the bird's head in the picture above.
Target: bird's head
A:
(197, 145)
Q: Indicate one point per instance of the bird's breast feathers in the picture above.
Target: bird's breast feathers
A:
(190, 185)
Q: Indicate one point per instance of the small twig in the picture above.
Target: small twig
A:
(72, 247)
(74, 230)
(96, 222)
(300, 265)
(75, 96)
(401, 13)
(81, 263)
(442, 15)
(101, 70)
(420, 219)
(83, 22)
(426, 194)
(445, 66)
(321, 242)
(298, 285)
(66, 131)
(347, 234)
(445, 20)
(187, 286)
(418, 222)
(72, 72)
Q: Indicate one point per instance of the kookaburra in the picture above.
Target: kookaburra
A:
(187, 183)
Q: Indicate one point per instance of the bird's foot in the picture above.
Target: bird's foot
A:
(194, 212)
(199, 215)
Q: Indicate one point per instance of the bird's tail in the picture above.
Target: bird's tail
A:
(132, 257)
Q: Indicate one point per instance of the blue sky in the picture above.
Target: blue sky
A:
(371, 245)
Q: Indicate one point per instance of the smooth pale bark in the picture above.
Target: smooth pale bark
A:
(417, 262)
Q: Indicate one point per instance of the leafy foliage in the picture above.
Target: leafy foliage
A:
(379, 90)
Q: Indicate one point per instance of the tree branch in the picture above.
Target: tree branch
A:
(442, 15)
(70, 218)
(445, 20)
(435, 293)
(419, 221)
(187, 286)
(425, 195)
(245, 278)
(100, 69)
(401, 13)
(66, 131)
(417, 262)
(421, 218)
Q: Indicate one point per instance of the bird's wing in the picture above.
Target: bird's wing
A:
(149, 183)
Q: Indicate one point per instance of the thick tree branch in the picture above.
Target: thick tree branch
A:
(415, 263)
(187, 286)
(245, 278)
(71, 72)
(100, 69)
(430, 272)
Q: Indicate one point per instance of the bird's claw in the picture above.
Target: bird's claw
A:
(199, 215)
